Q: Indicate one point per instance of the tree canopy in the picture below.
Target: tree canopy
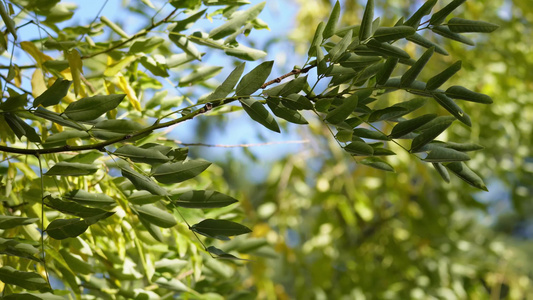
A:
(99, 201)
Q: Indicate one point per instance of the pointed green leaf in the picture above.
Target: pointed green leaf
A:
(285, 113)
(340, 48)
(141, 155)
(186, 23)
(439, 79)
(370, 134)
(424, 10)
(203, 199)
(112, 129)
(180, 171)
(453, 108)
(410, 75)
(61, 229)
(258, 113)
(219, 229)
(428, 135)
(439, 17)
(7, 222)
(397, 110)
(387, 49)
(252, 81)
(343, 111)
(377, 163)
(90, 199)
(462, 171)
(463, 147)
(365, 31)
(409, 126)
(236, 22)
(359, 148)
(146, 45)
(447, 33)
(25, 280)
(90, 108)
(75, 263)
(385, 34)
(461, 25)
(16, 248)
(385, 73)
(358, 62)
(72, 208)
(57, 118)
(10, 24)
(32, 296)
(141, 182)
(245, 53)
(186, 45)
(317, 39)
(441, 154)
(331, 26)
(442, 171)
(459, 92)
(422, 41)
(155, 215)
(64, 168)
(221, 254)
(294, 86)
(199, 75)
(53, 94)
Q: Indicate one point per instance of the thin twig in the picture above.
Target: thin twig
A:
(11, 83)
(239, 145)
(293, 72)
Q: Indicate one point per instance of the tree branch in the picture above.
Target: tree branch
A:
(293, 72)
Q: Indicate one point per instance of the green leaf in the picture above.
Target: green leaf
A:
(258, 113)
(111, 129)
(223, 90)
(439, 17)
(365, 31)
(203, 199)
(32, 296)
(463, 147)
(285, 113)
(397, 110)
(57, 118)
(385, 34)
(385, 73)
(143, 197)
(428, 135)
(146, 45)
(186, 45)
(90, 199)
(21, 128)
(459, 92)
(409, 126)
(172, 284)
(359, 148)
(199, 75)
(53, 94)
(25, 280)
(61, 229)
(219, 229)
(370, 134)
(377, 163)
(441, 154)
(252, 81)
(180, 171)
(297, 102)
(155, 215)
(317, 39)
(21, 249)
(343, 111)
(462, 171)
(453, 108)
(439, 79)
(64, 168)
(358, 62)
(293, 87)
(90, 108)
(447, 33)
(7, 222)
(340, 48)
(186, 23)
(442, 171)
(75, 263)
(152, 229)
(236, 22)
(410, 75)
(245, 53)
(422, 41)
(141, 155)
(331, 26)
(221, 254)
(387, 49)
(424, 10)
(72, 208)
(141, 182)
(461, 25)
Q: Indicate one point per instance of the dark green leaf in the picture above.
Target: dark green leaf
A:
(199, 75)
(317, 39)
(462, 171)
(447, 33)
(453, 108)
(385, 73)
(357, 62)
(90, 199)
(141, 155)
(340, 48)
(285, 113)
(143, 197)
(428, 135)
(111, 129)
(365, 30)
(439, 17)
(331, 26)
(64, 168)
(439, 79)
(442, 171)
(441, 154)
(90, 108)
(221, 254)
(75, 263)
(343, 111)
(425, 9)
(53, 94)
(387, 49)
(252, 81)
(409, 126)
(459, 92)
(180, 171)
(203, 199)
(461, 25)
(422, 41)
(370, 134)
(141, 182)
(397, 110)
(184, 24)
(410, 75)
(385, 34)
(25, 280)
(359, 148)
(236, 22)
(72, 208)
(258, 113)
(466, 147)
(155, 215)
(61, 229)
(7, 222)
(219, 229)
(20, 249)
(377, 163)
(32, 296)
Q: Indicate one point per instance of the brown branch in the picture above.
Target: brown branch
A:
(293, 72)
(135, 36)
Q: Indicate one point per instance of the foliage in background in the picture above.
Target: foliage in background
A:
(129, 236)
